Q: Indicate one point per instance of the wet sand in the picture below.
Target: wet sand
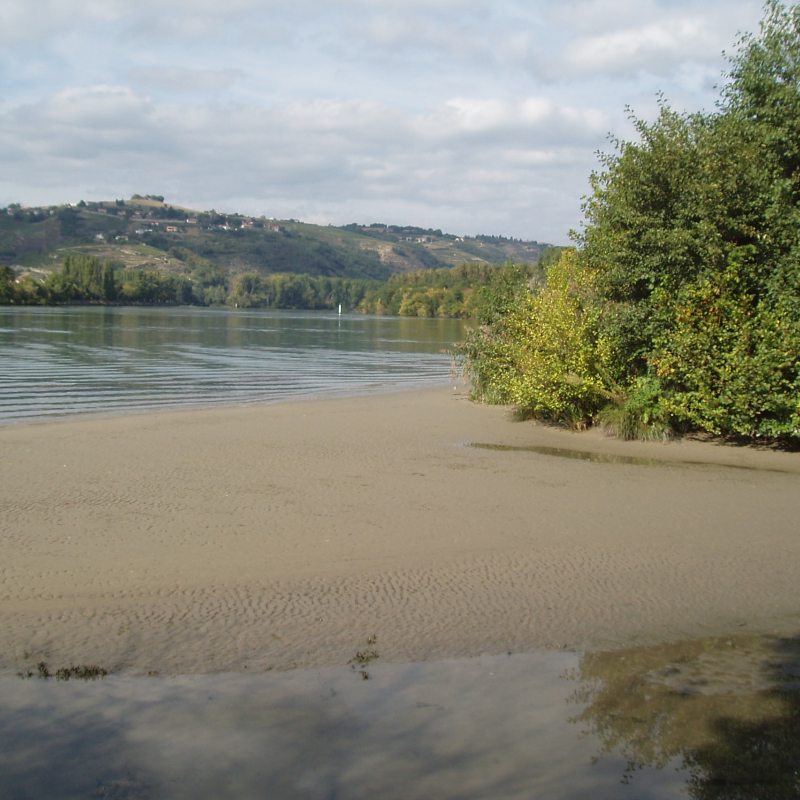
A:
(280, 536)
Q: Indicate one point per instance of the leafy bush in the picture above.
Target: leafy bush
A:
(684, 298)
(539, 348)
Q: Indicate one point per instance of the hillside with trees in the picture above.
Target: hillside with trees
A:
(144, 250)
(679, 309)
(145, 233)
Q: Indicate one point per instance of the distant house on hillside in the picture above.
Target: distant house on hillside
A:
(274, 227)
(247, 224)
(172, 229)
(192, 221)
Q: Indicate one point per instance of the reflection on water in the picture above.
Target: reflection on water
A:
(708, 719)
(478, 728)
(93, 359)
(727, 709)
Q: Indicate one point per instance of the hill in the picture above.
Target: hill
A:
(147, 233)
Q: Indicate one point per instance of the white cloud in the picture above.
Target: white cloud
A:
(601, 16)
(623, 37)
(465, 113)
(181, 79)
(480, 120)
(26, 21)
(658, 48)
(365, 158)
(33, 20)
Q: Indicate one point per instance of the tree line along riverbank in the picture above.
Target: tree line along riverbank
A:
(445, 292)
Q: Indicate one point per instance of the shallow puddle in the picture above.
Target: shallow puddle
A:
(582, 455)
(610, 458)
(705, 719)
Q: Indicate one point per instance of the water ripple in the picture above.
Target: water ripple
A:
(98, 360)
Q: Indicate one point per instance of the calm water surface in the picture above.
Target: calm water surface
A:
(711, 719)
(72, 360)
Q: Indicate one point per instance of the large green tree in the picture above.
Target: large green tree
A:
(692, 244)
(694, 233)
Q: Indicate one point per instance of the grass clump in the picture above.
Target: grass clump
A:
(641, 413)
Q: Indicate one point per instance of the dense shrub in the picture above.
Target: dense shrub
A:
(687, 277)
(538, 346)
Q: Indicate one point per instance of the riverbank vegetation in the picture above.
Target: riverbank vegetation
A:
(453, 292)
(679, 308)
(251, 290)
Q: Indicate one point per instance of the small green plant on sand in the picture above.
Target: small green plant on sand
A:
(363, 658)
(83, 672)
(639, 413)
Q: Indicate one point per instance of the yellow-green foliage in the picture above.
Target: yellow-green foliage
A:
(734, 358)
(538, 347)
(445, 292)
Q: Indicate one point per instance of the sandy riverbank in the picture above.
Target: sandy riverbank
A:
(283, 535)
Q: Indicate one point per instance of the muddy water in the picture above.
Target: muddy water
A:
(704, 719)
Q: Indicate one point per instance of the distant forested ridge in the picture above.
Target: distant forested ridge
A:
(146, 233)
(680, 307)
(86, 279)
(144, 250)
(452, 292)
(251, 290)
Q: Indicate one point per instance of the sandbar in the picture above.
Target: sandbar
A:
(288, 535)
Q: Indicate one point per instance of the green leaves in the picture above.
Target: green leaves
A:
(682, 304)
(540, 349)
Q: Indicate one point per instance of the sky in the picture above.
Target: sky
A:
(466, 115)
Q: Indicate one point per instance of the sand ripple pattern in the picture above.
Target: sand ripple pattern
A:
(281, 536)
(503, 603)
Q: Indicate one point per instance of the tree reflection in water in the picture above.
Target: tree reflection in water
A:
(728, 709)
